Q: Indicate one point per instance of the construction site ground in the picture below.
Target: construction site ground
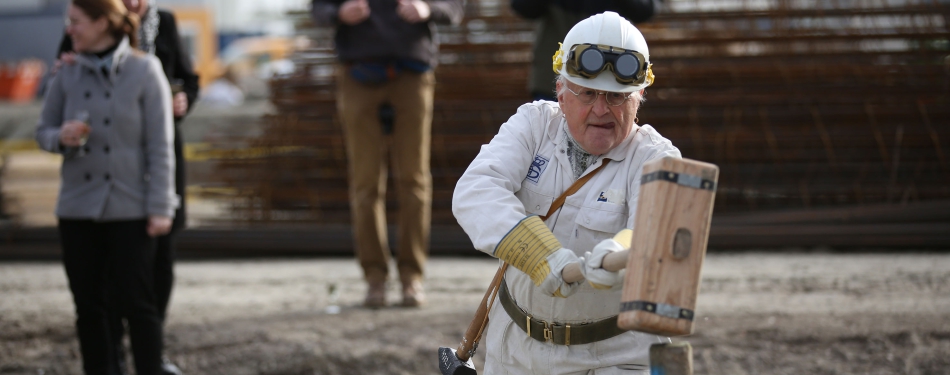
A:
(803, 312)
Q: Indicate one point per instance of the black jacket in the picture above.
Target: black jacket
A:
(169, 49)
(385, 36)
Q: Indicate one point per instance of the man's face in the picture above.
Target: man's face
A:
(598, 127)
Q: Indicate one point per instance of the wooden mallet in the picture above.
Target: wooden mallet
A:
(667, 247)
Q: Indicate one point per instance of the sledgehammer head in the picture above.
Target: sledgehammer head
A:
(450, 364)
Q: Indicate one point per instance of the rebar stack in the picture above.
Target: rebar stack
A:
(807, 104)
(803, 104)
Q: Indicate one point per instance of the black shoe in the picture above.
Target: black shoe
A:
(169, 368)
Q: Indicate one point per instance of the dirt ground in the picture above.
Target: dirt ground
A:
(758, 313)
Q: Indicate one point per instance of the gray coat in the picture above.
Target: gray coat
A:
(125, 171)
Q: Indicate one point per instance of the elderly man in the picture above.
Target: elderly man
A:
(512, 203)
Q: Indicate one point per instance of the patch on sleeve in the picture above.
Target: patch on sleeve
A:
(538, 166)
(612, 196)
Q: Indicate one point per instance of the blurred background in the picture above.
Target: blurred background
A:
(829, 120)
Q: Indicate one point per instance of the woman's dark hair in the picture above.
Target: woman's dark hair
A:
(122, 23)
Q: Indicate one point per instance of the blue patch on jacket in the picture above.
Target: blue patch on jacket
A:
(538, 166)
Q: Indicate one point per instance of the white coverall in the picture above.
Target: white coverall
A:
(520, 173)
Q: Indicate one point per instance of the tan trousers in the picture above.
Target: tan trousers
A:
(369, 153)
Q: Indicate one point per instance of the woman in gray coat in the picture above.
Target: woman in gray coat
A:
(110, 116)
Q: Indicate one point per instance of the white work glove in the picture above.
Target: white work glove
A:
(593, 260)
(553, 284)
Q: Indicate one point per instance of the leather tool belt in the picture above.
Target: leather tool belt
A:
(557, 333)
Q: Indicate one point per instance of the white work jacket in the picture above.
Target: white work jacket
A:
(523, 170)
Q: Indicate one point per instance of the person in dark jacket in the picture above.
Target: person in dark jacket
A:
(109, 114)
(553, 20)
(158, 35)
(387, 51)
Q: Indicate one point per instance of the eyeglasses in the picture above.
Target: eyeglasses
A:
(588, 96)
(589, 60)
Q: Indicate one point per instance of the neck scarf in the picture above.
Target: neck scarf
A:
(148, 30)
(103, 60)
(579, 158)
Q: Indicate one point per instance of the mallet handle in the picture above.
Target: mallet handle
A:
(613, 262)
(467, 345)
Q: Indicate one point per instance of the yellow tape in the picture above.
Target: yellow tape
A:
(14, 145)
(527, 247)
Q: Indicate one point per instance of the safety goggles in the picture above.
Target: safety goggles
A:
(589, 60)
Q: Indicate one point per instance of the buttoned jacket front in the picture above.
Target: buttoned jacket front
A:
(125, 170)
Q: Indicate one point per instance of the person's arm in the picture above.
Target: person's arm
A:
(65, 54)
(530, 9)
(183, 69)
(51, 120)
(447, 12)
(484, 201)
(158, 130)
(325, 13)
(636, 11)
(485, 205)
(66, 45)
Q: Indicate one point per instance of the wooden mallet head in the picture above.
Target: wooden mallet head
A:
(670, 234)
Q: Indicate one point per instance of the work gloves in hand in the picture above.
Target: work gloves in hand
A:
(532, 248)
(593, 261)
(553, 284)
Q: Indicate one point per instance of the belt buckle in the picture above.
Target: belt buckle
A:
(549, 330)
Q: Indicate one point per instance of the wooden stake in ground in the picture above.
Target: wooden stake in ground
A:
(671, 359)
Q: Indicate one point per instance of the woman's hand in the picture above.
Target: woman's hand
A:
(158, 225)
(74, 133)
(65, 58)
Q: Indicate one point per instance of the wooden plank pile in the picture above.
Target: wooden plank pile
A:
(803, 104)
(807, 104)
(482, 79)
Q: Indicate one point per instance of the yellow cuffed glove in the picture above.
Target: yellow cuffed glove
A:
(532, 248)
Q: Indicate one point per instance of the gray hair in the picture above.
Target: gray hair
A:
(637, 95)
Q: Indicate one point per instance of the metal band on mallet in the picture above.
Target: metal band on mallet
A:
(688, 180)
(661, 309)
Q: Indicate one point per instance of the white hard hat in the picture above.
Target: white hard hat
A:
(607, 31)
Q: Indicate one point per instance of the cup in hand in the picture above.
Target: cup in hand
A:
(84, 130)
(74, 133)
(177, 86)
